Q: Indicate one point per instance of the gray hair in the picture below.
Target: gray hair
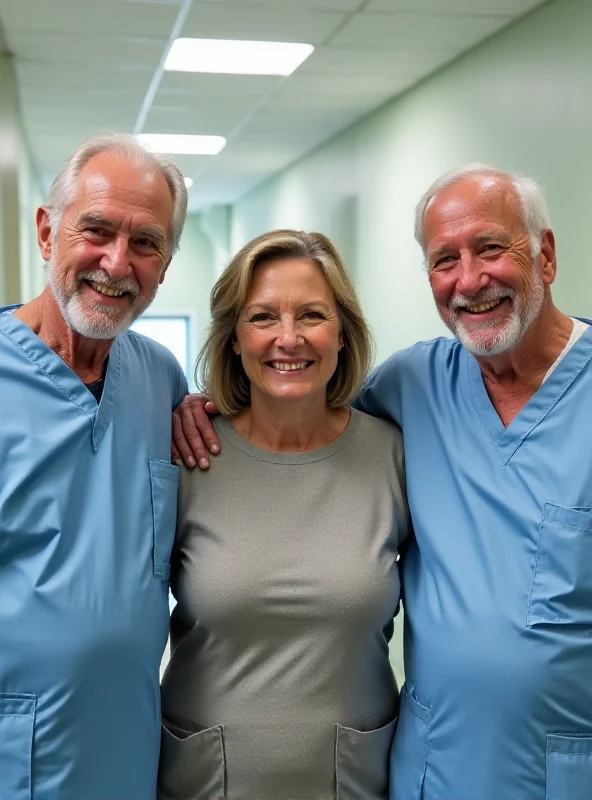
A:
(63, 189)
(530, 196)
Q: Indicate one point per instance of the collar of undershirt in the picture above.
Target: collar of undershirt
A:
(96, 387)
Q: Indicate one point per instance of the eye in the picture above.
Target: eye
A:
(262, 316)
(491, 247)
(95, 231)
(445, 262)
(313, 315)
(144, 242)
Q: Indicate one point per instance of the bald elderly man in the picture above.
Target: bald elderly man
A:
(497, 427)
(87, 490)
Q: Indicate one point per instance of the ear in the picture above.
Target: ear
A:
(164, 269)
(547, 257)
(44, 237)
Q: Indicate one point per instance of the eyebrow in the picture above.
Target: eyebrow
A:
(268, 307)
(484, 236)
(94, 218)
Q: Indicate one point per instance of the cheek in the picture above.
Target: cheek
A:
(442, 286)
(254, 343)
(513, 269)
(149, 275)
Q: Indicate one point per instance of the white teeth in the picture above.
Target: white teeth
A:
(284, 366)
(102, 289)
(480, 307)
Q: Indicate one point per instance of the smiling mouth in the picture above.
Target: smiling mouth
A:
(482, 308)
(107, 291)
(289, 366)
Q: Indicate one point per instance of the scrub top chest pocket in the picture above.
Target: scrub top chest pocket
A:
(561, 590)
(164, 482)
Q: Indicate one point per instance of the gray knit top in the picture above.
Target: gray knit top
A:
(279, 685)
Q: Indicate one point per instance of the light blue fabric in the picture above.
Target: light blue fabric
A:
(497, 585)
(87, 513)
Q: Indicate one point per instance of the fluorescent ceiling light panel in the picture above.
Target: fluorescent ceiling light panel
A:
(188, 183)
(182, 144)
(235, 57)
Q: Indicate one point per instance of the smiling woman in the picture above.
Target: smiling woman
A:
(285, 561)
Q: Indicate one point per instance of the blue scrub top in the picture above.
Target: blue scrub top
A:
(497, 584)
(87, 520)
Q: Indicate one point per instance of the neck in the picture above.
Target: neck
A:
(525, 365)
(284, 426)
(84, 356)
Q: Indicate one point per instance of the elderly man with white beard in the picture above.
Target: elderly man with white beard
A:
(497, 583)
(87, 490)
(497, 428)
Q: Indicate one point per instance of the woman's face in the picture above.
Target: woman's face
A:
(288, 332)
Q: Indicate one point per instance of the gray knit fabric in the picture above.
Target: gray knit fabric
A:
(279, 685)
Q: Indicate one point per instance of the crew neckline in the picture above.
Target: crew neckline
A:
(224, 427)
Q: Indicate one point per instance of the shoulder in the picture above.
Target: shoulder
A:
(415, 358)
(381, 432)
(156, 359)
(138, 344)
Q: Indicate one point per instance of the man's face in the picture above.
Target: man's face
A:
(112, 247)
(487, 287)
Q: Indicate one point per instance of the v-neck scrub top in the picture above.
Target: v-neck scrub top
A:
(497, 583)
(87, 518)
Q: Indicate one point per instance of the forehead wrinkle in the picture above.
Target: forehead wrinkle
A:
(97, 218)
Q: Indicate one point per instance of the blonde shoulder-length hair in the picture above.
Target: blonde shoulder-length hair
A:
(219, 372)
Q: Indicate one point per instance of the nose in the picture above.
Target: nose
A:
(114, 259)
(471, 278)
(288, 337)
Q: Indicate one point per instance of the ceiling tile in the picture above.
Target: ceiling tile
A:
(234, 21)
(85, 76)
(339, 90)
(82, 122)
(204, 119)
(37, 100)
(344, 62)
(62, 48)
(189, 165)
(473, 7)
(317, 5)
(412, 31)
(222, 87)
(91, 18)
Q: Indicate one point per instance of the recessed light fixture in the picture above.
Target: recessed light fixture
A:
(235, 57)
(188, 183)
(182, 144)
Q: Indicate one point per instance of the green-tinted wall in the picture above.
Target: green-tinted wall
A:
(521, 101)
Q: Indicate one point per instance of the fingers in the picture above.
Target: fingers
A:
(196, 421)
(190, 453)
(175, 455)
(193, 434)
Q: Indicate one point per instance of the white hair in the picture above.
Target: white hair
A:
(530, 196)
(63, 189)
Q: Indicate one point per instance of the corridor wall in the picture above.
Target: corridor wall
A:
(520, 101)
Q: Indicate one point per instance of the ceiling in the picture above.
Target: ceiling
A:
(90, 65)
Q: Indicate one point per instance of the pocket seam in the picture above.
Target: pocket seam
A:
(158, 468)
(28, 704)
(566, 738)
(425, 717)
(339, 763)
(536, 569)
(585, 511)
(550, 519)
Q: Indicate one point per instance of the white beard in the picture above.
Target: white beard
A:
(95, 322)
(508, 332)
